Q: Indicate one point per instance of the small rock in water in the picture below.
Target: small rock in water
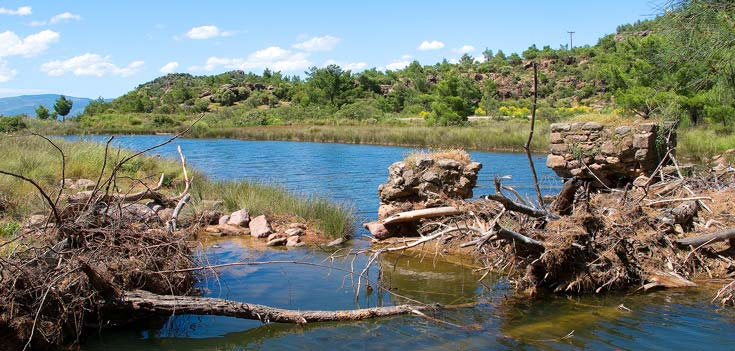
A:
(294, 241)
(260, 228)
(275, 236)
(277, 241)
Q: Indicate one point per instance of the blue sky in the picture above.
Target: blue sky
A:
(104, 48)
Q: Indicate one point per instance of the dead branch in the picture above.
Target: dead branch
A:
(143, 301)
(527, 147)
(510, 235)
(510, 205)
(708, 239)
(51, 203)
(63, 165)
(171, 225)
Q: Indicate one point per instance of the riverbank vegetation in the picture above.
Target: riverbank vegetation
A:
(36, 159)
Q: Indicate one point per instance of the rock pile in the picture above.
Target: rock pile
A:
(425, 181)
(614, 155)
(240, 223)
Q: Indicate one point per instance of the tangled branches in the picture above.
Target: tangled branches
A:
(59, 276)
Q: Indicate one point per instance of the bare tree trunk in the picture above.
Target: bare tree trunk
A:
(530, 135)
(143, 301)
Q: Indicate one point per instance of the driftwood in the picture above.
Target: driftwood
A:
(704, 240)
(146, 302)
(419, 214)
(667, 280)
(382, 229)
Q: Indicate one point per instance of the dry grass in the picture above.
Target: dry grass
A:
(458, 155)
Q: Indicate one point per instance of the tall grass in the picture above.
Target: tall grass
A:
(502, 136)
(701, 144)
(36, 159)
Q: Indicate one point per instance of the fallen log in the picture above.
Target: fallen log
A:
(383, 229)
(146, 302)
(409, 216)
(707, 239)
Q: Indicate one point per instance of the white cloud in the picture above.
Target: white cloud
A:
(355, 66)
(90, 65)
(6, 73)
(272, 57)
(207, 32)
(63, 17)
(60, 18)
(465, 49)
(430, 45)
(397, 64)
(12, 45)
(352, 66)
(169, 67)
(21, 11)
(325, 43)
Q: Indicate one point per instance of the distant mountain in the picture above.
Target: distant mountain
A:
(16, 105)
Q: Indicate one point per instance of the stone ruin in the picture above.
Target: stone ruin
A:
(613, 155)
(423, 182)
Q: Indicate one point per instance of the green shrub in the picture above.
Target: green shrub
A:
(11, 124)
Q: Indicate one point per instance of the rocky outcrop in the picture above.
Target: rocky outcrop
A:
(614, 155)
(423, 181)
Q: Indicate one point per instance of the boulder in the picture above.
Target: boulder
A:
(239, 218)
(260, 227)
(277, 241)
(223, 220)
(555, 161)
(273, 236)
(294, 241)
(294, 232)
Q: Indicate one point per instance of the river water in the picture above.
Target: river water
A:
(351, 174)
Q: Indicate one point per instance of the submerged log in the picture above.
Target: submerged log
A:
(146, 302)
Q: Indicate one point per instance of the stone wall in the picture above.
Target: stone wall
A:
(616, 155)
(426, 182)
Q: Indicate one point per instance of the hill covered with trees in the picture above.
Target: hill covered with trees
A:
(678, 65)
